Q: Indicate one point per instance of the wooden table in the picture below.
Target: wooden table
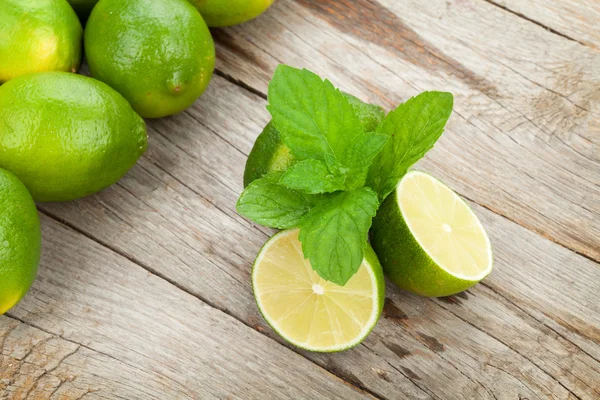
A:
(144, 292)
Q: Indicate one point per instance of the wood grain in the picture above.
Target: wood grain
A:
(525, 137)
(141, 336)
(174, 214)
(144, 289)
(576, 20)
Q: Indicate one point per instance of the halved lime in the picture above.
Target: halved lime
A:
(308, 311)
(428, 239)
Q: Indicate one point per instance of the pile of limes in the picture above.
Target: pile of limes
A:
(64, 136)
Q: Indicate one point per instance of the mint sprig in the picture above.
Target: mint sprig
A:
(316, 121)
(413, 128)
(341, 172)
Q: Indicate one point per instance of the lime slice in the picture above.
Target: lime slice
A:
(307, 311)
(428, 239)
(269, 154)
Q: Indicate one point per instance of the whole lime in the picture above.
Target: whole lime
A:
(20, 240)
(219, 13)
(67, 136)
(159, 54)
(83, 7)
(37, 36)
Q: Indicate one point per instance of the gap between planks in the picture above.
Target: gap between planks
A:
(551, 30)
(245, 86)
(154, 272)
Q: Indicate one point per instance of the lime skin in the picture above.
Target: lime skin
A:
(221, 13)
(66, 136)
(20, 240)
(37, 36)
(159, 54)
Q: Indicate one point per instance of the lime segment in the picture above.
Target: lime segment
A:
(308, 311)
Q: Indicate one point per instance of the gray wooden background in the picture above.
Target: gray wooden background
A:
(144, 291)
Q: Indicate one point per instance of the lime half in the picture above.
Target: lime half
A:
(308, 311)
(428, 239)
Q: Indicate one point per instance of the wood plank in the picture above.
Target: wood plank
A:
(576, 20)
(525, 137)
(35, 364)
(156, 335)
(174, 214)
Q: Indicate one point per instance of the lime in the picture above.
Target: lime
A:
(20, 240)
(159, 54)
(306, 310)
(428, 239)
(37, 36)
(269, 154)
(219, 13)
(83, 7)
(67, 136)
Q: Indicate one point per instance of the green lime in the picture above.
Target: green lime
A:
(428, 239)
(20, 240)
(159, 54)
(37, 36)
(308, 311)
(83, 8)
(269, 154)
(67, 136)
(220, 13)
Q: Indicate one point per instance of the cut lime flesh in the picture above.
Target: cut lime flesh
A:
(308, 311)
(428, 239)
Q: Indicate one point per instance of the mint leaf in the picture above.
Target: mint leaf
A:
(268, 203)
(369, 115)
(334, 233)
(311, 176)
(314, 119)
(413, 127)
(360, 154)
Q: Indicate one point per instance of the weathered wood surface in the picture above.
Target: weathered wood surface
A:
(140, 337)
(525, 137)
(576, 20)
(160, 306)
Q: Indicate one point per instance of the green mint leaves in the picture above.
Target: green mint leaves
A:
(312, 176)
(413, 128)
(334, 233)
(347, 157)
(271, 204)
(316, 121)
